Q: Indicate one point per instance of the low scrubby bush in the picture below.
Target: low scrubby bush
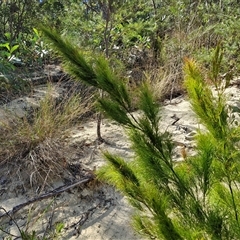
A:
(33, 144)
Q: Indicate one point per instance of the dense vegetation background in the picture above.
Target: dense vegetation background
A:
(144, 36)
(197, 198)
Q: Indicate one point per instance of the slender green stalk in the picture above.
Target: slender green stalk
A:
(233, 201)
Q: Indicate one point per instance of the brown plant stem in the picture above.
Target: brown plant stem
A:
(47, 195)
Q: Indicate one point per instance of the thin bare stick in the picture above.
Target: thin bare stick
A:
(47, 195)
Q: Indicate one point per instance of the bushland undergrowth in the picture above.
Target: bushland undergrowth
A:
(33, 145)
(156, 34)
(194, 199)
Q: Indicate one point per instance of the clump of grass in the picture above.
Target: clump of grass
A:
(165, 84)
(34, 146)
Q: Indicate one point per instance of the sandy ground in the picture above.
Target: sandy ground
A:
(93, 211)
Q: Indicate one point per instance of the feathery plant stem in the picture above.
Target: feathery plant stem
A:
(192, 199)
(233, 201)
(214, 114)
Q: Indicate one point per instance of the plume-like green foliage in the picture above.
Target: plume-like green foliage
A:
(97, 73)
(197, 198)
(215, 66)
(216, 163)
(211, 110)
(149, 106)
(75, 63)
(122, 167)
(114, 111)
(202, 163)
(109, 82)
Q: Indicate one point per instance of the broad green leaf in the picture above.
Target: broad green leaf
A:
(6, 45)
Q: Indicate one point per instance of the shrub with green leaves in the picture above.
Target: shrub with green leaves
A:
(194, 199)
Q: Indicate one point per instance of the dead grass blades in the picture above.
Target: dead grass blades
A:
(33, 146)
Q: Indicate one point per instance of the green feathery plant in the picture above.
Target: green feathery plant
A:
(194, 199)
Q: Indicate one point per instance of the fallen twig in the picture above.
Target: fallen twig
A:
(47, 195)
(85, 215)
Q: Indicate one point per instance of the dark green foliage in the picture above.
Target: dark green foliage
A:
(193, 199)
(216, 65)
(121, 166)
(111, 84)
(16, 18)
(76, 64)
